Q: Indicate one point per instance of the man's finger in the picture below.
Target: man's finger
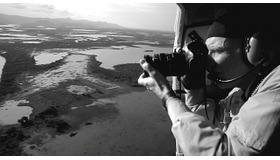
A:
(141, 79)
(147, 67)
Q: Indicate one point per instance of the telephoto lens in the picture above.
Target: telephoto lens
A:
(174, 64)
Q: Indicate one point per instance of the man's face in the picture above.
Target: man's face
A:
(225, 56)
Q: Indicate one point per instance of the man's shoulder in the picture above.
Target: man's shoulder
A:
(274, 75)
(270, 82)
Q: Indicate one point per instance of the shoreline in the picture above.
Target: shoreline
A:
(78, 107)
(57, 112)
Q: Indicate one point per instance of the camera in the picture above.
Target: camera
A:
(173, 64)
(177, 64)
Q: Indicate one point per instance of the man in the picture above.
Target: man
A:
(247, 121)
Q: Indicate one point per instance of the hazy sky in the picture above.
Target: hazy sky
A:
(131, 14)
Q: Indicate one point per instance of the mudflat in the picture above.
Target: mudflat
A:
(75, 107)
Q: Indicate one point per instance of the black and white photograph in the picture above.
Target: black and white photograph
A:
(144, 78)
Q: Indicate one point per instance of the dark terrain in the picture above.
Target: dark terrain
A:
(53, 114)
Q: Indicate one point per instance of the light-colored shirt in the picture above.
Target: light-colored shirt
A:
(244, 128)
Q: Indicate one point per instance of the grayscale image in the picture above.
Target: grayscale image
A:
(139, 79)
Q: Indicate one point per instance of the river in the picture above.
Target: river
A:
(120, 55)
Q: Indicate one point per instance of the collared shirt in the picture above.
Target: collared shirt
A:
(244, 128)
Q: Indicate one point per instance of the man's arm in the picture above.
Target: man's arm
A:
(195, 134)
(188, 128)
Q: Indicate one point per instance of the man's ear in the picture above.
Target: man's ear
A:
(257, 50)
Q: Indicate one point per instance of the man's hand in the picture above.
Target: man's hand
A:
(156, 82)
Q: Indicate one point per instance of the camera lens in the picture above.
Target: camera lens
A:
(173, 64)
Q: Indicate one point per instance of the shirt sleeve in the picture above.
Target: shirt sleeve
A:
(195, 101)
(197, 136)
(254, 130)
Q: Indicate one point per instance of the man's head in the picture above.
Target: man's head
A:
(226, 43)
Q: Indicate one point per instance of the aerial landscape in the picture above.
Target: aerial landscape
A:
(69, 87)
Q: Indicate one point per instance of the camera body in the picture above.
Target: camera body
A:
(178, 64)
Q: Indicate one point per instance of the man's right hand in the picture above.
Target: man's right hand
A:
(156, 82)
